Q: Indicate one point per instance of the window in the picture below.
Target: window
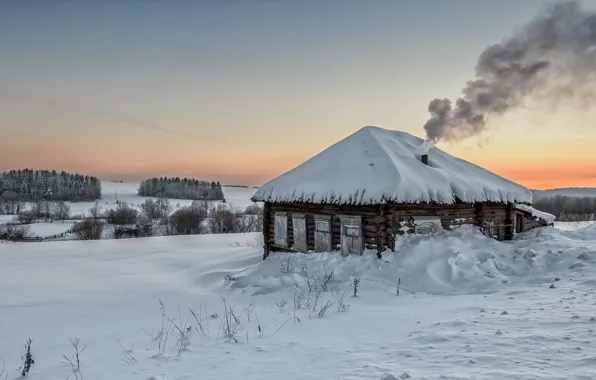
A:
(425, 225)
(322, 225)
(322, 233)
(351, 235)
(281, 229)
(299, 230)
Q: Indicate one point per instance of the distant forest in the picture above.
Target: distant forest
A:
(568, 209)
(31, 185)
(184, 188)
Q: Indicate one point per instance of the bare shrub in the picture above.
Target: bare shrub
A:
(223, 220)
(230, 323)
(156, 208)
(202, 320)
(88, 229)
(41, 209)
(123, 215)
(28, 359)
(59, 210)
(186, 221)
(182, 333)
(342, 307)
(355, 286)
(202, 207)
(325, 280)
(127, 353)
(74, 361)
(26, 217)
(12, 232)
(253, 209)
(281, 304)
(95, 211)
(10, 206)
(161, 336)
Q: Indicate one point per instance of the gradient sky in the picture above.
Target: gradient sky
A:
(241, 91)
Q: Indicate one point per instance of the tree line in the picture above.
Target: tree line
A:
(33, 185)
(184, 188)
(568, 209)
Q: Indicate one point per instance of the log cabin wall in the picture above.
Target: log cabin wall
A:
(383, 224)
(450, 215)
(492, 218)
(529, 221)
(369, 215)
(495, 222)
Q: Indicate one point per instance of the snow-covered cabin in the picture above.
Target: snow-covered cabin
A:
(375, 185)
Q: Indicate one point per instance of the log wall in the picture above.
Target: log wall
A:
(383, 224)
(368, 214)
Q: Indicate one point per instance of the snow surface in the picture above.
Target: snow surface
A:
(375, 165)
(469, 307)
(548, 218)
(46, 229)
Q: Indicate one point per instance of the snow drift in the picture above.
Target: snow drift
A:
(463, 261)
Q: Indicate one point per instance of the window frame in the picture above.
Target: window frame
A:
(432, 224)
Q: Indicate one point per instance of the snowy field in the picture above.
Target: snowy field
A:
(127, 192)
(237, 197)
(469, 308)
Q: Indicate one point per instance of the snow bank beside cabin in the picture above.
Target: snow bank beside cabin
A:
(375, 165)
(463, 261)
(548, 218)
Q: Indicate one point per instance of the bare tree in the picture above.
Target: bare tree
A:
(88, 229)
(59, 210)
(186, 221)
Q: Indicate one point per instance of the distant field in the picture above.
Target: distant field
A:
(237, 197)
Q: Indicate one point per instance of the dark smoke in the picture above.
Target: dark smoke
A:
(552, 58)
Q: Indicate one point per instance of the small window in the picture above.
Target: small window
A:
(299, 230)
(352, 231)
(322, 233)
(281, 229)
(351, 235)
(322, 225)
(425, 225)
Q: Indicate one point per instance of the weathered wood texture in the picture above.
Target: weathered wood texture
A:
(368, 214)
(383, 224)
(267, 223)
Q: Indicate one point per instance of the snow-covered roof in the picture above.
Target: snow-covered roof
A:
(548, 218)
(376, 165)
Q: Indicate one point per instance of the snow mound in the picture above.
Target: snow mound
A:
(462, 261)
(548, 218)
(375, 165)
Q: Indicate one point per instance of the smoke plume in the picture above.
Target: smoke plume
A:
(552, 58)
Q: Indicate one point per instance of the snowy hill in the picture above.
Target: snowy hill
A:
(469, 308)
(568, 192)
